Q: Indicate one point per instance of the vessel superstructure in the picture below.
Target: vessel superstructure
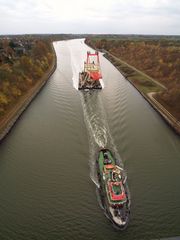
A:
(90, 77)
(113, 189)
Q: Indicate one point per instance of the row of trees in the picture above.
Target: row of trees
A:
(159, 59)
(23, 72)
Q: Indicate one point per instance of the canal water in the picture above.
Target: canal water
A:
(47, 173)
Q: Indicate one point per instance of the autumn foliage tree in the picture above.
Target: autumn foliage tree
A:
(22, 72)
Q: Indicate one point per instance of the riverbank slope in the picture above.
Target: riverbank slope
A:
(146, 87)
(144, 83)
(15, 111)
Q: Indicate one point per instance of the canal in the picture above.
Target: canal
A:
(47, 172)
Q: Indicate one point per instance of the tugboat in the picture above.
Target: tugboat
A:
(90, 77)
(113, 189)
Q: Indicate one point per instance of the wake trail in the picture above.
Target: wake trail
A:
(98, 129)
(94, 113)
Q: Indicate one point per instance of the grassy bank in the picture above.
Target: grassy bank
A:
(143, 82)
(146, 86)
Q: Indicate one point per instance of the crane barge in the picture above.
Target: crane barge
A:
(90, 77)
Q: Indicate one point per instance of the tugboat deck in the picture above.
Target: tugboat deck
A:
(113, 189)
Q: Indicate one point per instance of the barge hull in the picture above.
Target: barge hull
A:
(85, 82)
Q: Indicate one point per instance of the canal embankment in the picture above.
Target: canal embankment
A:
(10, 118)
(146, 86)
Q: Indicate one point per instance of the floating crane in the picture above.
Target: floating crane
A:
(90, 77)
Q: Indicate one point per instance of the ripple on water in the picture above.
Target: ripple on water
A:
(46, 160)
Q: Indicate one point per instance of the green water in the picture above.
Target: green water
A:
(47, 170)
